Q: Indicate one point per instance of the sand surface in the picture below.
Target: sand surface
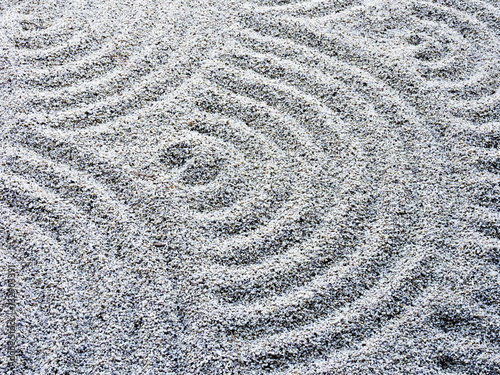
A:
(250, 187)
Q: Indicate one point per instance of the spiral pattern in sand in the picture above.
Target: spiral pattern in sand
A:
(286, 187)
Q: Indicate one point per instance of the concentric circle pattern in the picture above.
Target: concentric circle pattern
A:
(275, 186)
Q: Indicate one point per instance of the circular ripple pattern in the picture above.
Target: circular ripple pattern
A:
(296, 187)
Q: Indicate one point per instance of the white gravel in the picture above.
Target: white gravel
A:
(261, 187)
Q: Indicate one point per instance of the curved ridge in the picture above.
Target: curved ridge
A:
(246, 296)
(273, 187)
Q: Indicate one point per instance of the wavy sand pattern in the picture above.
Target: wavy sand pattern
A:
(272, 186)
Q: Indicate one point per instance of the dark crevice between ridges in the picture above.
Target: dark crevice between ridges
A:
(95, 70)
(330, 94)
(299, 108)
(448, 362)
(294, 31)
(98, 65)
(455, 363)
(456, 322)
(63, 186)
(480, 114)
(348, 333)
(104, 112)
(33, 24)
(42, 40)
(176, 154)
(352, 226)
(276, 2)
(478, 10)
(386, 108)
(489, 228)
(489, 198)
(474, 90)
(23, 203)
(490, 164)
(325, 301)
(277, 242)
(254, 116)
(202, 172)
(465, 324)
(488, 140)
(113, 177)
(218, 199)
(69, 51)
(261, 214)
(490, 295)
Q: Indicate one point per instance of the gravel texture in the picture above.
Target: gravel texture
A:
(250, 187)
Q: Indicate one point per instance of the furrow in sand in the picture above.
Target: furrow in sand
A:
(286, 98)
(235, 80)
(148, 89)
(84, 40)
(57, 147)
(430, 67)
(313, 188)
(479, 112)
(447, 351)
(98, 87)
(75, 48)
(109, 183)
(315, 8)
(480, 86)
(256, 114)
(344, 328)
(353, 93)
(111, 68)
(55, 215)
(68, 184)
(478, 152)
(106, 61)
(313, 299)
(30, 16)
(18, 233)
(56, 34)
(488, 14)
(234, 206)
